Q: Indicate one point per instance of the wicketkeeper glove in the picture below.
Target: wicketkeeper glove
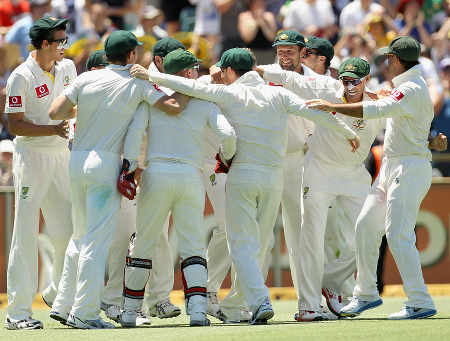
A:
(126, 184)
(222, 165)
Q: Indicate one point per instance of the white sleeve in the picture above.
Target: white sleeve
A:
(16, 90)
(216, 93)
(73, 90)
(152, 92)
(295, 106)
(399, 103)
(223, 130)
(136, 132)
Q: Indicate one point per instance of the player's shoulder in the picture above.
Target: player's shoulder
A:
(20, 73)
(67, 64)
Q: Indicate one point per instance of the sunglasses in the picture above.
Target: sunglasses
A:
(353, 82)
(61, 42)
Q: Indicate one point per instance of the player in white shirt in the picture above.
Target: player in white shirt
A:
(174, 182)
(404, 180)
(107, 101)
(256, 174)
(40, 166)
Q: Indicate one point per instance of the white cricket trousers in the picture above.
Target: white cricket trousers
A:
(41, 181)
(253, 195)
(162, 276)
(391, 209)
(96, 203)
(322, 186)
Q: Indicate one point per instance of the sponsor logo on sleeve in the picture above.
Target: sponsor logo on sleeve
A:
(274, 84)
(42, 91)
(359, 124)
(156, 87)
(15, 101)
(397, 95)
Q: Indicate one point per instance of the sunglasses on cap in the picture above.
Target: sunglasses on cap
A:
(353, 82)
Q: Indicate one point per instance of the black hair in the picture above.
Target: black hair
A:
(241, 72)
(327, 63)
(120, 58)
(408, 65)
(37, 42)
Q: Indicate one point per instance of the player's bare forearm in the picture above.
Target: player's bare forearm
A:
(438, 143)
(170, 105)
(351, 109)
(61, 109)
(18, 126)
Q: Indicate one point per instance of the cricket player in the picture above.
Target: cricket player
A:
(255, 181)
(40, 166)
(173, 182)
(107, 101)
(404, 180)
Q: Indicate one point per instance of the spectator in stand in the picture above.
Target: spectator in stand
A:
(311, 18)
(172, 10)
(258, 28)
(19, 32)
(118, 9)
(207, 25)
(353, 15)
(381, 29)
(354, 45)
(229, 11)
(441, 43)
(9, 59)
(412, 22)
(12, 11)
(431, 76)
(6, 156)
(151, 20)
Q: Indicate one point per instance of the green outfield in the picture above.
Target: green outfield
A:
(371, 326)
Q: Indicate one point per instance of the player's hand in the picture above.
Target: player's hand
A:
(354, 142)
(260, 70)
(439, 143)
(62, 129)
(320, 104)
(383, 93)
(138, 71)
(216, 74)
(138, 175)
(126, 184)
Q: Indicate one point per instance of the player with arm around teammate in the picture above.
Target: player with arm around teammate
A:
(404, 180)
(259, 114)
(40, 166)
(174, 182)
(107, 101)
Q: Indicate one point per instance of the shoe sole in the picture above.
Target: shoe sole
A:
(29, 328)
(202, 323)
(262, 317)
(423, 315)
(371, 305)
(58, 318)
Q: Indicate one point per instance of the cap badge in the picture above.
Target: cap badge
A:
(349, 67)
(284, 36)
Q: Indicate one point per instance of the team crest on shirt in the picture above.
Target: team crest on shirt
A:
(212, 178)
(305, 192)
(359, 124)
(42, 91)
(25, 192)
(66, 80)
(15, 101)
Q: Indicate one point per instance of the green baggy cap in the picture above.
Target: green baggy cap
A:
(44, 25)
(96, 58)
(406, 48)
(354, 68)
(237, 58)
(166, 45)
(119, 42)
(289, 37)
(178, 60)
(323, 46)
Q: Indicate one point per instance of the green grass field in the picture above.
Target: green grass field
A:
(370, 326)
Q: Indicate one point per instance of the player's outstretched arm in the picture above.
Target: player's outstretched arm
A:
(62, 109)
(18, 126)
(351, 109)
(172, 105)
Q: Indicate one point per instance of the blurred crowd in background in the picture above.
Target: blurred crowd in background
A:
(207, 27)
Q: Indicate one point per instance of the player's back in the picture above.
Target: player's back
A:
(181, 138)
(107, 100)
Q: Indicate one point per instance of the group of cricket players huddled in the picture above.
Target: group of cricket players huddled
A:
(149, 144)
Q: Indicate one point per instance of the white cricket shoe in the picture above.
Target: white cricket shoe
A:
(128, 318)
(111, 311)
(410, 313)
(142, 319)
(309, 316)
(334, 301)
(58, 316)
(78, 323)
(164, 309)
(357, 306)
(25, 324)
(263, 313)
(199, 320)
(214, 307)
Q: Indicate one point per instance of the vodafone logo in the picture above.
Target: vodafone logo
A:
(15, 101)
(397, 95)
(42, 91)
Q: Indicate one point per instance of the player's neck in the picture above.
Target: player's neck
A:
(353, 99)
(45, 62)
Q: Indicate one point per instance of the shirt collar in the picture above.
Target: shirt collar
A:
(153, 67)
(250, 78)
(119, 67)
(408, 75)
